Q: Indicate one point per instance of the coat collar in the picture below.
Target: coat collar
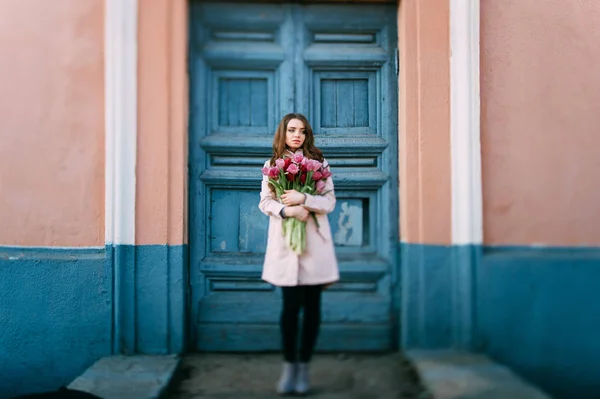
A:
(292, 153)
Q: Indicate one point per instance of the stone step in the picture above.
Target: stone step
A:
(460, 375)
(128, 377)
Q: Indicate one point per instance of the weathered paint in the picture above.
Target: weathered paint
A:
(52, 131)
(238, 94)
(540, 107)
(55, 306)
(161, 202)
(424, 116)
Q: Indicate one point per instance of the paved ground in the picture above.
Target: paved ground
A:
(333, 377)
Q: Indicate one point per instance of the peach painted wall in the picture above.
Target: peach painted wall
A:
(424, 122)
(541, 122)
(161, 193)
(52, 123)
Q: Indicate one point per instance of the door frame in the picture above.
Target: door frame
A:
(128, 70)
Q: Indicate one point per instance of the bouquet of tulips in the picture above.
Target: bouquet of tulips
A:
(304, 175)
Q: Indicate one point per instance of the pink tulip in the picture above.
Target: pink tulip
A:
(317, 176)
(313, 165)
(320, 185)
(265, 171)
(298, 158)
(293, 169)
(326, 173)
(280, 163)
(274, 172)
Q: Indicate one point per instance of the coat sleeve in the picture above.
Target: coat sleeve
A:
(269, 205)
(322, 203)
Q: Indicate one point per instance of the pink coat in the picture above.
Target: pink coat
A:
(318, 263)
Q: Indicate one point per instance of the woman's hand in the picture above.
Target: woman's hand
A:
(297, 212)
(293, 197)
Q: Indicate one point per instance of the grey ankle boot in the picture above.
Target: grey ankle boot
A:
(302, 379)
(287, 381)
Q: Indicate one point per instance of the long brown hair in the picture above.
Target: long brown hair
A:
(308, 148)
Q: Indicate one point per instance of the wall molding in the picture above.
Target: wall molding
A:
(120, 164)
(465, 126)
(465, 144)
(120, 120)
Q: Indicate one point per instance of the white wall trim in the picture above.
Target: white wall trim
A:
(467, 219)
(121, 120)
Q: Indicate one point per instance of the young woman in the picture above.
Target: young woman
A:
(302, 278)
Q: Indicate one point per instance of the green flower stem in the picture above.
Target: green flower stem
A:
(293, 230)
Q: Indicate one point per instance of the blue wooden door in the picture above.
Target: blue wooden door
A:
(249, 65)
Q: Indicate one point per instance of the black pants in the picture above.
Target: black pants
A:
(307, 297)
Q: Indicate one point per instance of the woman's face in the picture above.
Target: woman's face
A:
(295, 134)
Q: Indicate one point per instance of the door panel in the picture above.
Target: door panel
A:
(249, 65)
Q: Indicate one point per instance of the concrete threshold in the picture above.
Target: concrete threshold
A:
(461, 375)
(128, 377)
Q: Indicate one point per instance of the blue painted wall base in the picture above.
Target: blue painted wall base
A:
(150, 298)
(437, 296)
(534, 309)
(539, 312)
(55, 312)
(63, 309)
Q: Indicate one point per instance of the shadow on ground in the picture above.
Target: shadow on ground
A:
(333, 377)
